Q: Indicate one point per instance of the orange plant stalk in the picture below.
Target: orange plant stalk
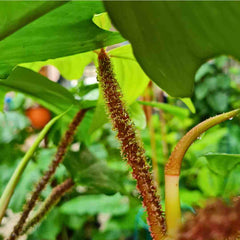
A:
(131, 146)
(173, 167)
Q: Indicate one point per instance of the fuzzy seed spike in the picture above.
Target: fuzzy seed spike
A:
(59, 156)
(50, 202)
(131, 145)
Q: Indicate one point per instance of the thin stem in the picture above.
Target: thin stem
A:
(61, 151)
(8, 192)
(131, 145)
(173, 166)
(148, 96)
(49, 203)
(154, 155)
(163, 128)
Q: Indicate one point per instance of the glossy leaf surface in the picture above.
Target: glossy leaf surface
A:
(64, 31)
(15, 15)
(48, 93)
(172, 39)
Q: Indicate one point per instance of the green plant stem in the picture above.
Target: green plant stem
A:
(8, 192)
(173, 167)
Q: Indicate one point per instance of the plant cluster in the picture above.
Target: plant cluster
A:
(90, 194)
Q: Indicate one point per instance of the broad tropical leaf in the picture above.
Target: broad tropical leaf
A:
(15, 15)
(48, 93)
(114, 205)
(89, 171)
(172, 39)
(64, 31)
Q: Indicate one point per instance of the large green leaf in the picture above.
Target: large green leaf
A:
(210, 183)
(15, 15)
(171, 39)
(94, 173)
(137, 115)
(64, 31)
(94, 204)
(129, 74)
(232, 183)
(50, 94)
(222, 163)
(126, 68)
(70, 67)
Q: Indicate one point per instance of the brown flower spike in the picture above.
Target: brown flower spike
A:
(217, 221)
(61, 151)
(50, 202)
(131, 146)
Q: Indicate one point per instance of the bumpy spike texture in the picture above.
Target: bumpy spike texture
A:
(61, 151)
(50, 202)
(131, 146)
(217, 221)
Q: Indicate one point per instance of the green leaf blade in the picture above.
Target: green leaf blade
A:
(50, 37)
(222, 163)
(50, 94)
(15, 15)
(173, 39)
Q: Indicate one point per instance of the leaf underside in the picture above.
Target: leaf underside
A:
(172, 39)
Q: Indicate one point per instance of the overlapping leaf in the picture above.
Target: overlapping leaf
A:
(114, 205)
(50, 94)
(93, 173)
(171, 39)
(15, 15)
(222, 163)
(64, 31)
